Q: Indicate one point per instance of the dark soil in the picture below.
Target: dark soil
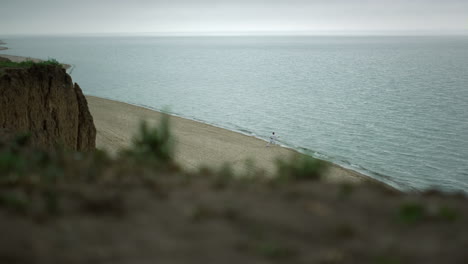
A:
(65, 207)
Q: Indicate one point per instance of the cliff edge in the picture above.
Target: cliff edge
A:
(43, 101)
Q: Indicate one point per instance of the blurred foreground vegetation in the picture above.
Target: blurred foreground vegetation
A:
(28, 168)
(141, 201)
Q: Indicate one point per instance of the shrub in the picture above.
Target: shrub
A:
(27, 63)
(447, 213)
(412, 213)
(301, 168)
(154, 142)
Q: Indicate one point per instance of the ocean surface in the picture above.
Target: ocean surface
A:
(394, 108)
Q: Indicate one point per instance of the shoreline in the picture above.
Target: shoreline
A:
(1, 45)
(15, 58)
(116, 128)
(114, 119)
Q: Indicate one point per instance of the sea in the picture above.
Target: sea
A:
(392, 107)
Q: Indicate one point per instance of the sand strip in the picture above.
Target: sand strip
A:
(1, 47)
(197, 144)
(14, 58)
(19, 58)
(2, 43)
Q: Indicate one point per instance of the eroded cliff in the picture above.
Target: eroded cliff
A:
(43, 101)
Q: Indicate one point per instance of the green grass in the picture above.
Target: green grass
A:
(154, 143)
(27, 63)
(411, 213)
(446, 213)
(10, 161)
(274, 250)
(300, 168)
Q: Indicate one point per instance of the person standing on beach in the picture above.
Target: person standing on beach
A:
(273, 139)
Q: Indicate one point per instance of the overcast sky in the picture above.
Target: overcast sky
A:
(233, 16)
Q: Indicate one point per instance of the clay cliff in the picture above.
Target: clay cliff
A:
(43, 101)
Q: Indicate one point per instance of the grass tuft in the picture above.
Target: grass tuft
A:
(273, 250)
(28, 63)
(446, 213)
(154, 143)
(300, 168)
(345, 190)
(15, 201)
(411, 213)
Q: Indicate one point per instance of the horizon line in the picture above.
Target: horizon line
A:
(254, 33)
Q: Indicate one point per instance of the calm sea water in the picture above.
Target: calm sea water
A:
(395, 108)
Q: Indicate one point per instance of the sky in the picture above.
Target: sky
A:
(234, 16)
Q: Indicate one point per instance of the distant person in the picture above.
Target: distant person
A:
(273, 139)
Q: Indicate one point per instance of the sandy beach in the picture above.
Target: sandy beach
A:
(14, 58)
(197, 144)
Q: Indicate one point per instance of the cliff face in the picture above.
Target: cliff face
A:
(44, 101)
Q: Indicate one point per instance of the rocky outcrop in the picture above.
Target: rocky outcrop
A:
(43, 101)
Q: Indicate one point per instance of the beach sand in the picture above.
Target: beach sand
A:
(197, 144)
(14, 58)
